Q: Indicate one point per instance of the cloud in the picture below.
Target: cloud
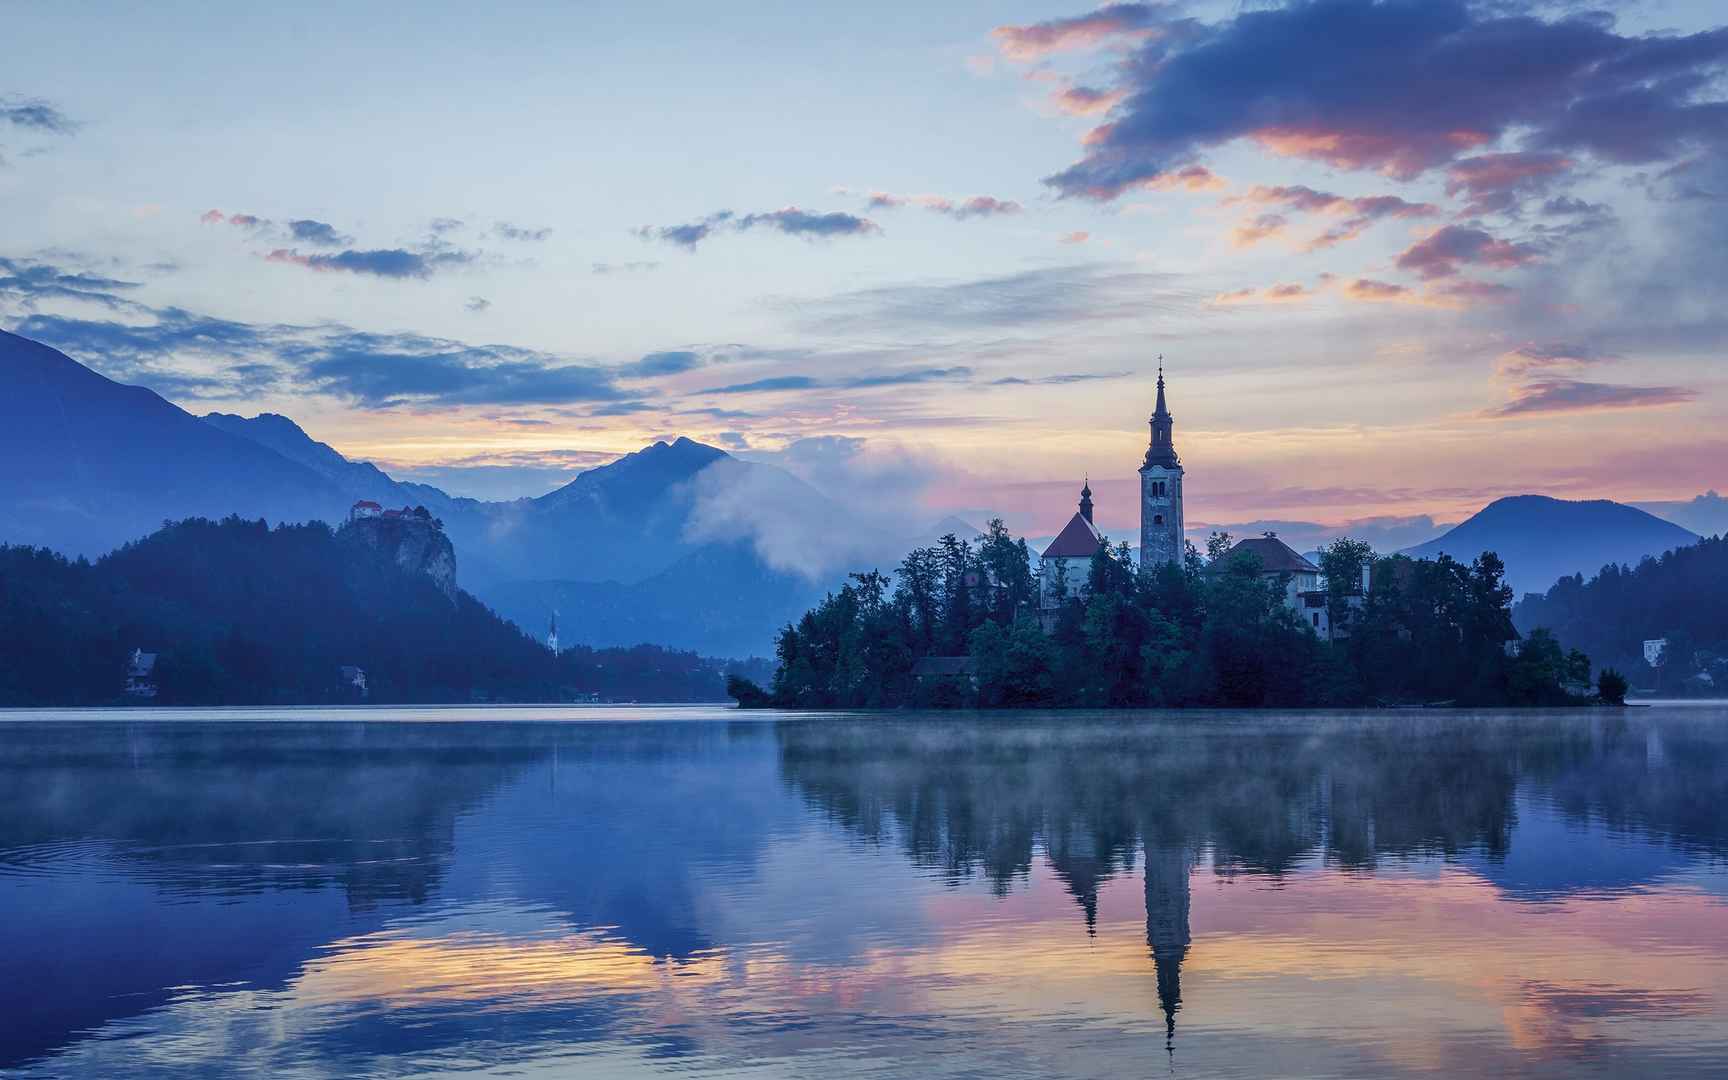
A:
(1496, 183)
(1086, 100)
(1079, 236)
(179, 352)
(317, 233)
(1060, 380)
(35, 114)
(522, 233)
(1549, 355)
(904, 377)
(1358, 213)
(1442, 252)
(795, 222)
(1038, 40)
(387, 370)
(764, 386)
(790, 220)
(874, 509)
(1274, 294)
(1061, 294)
(27, 282)
(477, 304)
(978, 206)
(243, 221)
(636, 267)
(1261, 228)
(1397, 87)
(1376, 291)
(662, 363)
(397, 263)
(1568, 396)
(866, 381)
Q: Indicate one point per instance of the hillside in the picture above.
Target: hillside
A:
(1542, 540)
(1681, 596)
(87, 463)
(240, 613)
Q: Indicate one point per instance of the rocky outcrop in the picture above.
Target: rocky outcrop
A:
(415, 544)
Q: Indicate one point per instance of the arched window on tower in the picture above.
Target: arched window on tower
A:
(1157, 519)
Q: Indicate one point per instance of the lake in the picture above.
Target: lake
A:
(622, 892)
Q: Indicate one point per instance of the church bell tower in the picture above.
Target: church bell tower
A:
(1161, 539)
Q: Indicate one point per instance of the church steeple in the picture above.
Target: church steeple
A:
(1086, 498)
(1162, 450)
(1161, 540)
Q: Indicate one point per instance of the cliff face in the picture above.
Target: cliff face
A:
(415, 545)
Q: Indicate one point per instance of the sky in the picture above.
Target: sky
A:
(1399, 258)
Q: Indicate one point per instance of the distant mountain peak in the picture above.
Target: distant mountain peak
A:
(1542, 539)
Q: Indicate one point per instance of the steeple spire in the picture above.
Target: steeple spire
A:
(1086, 498)
(1162, 451)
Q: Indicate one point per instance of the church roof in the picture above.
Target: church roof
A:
(1276, 557)
(1079, 539)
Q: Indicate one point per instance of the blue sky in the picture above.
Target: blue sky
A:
(1401, 257)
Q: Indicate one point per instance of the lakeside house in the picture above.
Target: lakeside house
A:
(140, 682)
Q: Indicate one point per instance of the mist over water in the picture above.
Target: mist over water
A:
(649, 891)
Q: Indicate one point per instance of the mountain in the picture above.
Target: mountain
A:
(720, 600)
(87, 463)
(1542, 540)
(1705, 514)
(356, 479)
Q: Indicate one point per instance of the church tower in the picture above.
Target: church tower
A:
(1161, 539)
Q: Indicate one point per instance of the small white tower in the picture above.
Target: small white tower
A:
(1161, 539)
(552, 634)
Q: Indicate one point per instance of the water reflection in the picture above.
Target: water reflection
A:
(1522, 894)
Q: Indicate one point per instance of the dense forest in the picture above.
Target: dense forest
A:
(1681, 596)
(240, 613)
(1214, 631)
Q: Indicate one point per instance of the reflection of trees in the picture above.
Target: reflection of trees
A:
(1257, 796)
(244, 808)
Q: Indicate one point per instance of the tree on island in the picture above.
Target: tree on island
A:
(1213, 631)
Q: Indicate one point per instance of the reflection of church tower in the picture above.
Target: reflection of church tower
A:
(1161, 538)
(1167, 870)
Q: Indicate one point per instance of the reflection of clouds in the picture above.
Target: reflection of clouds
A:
(1005, 985)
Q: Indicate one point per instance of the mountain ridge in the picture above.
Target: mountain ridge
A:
(1522, 530)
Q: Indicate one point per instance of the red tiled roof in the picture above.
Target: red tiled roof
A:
(1276, 557)
(367, 504)
(1077, 540)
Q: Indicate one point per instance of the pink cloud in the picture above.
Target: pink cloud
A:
(212, 217)
(1494, 182)
(1358, 213)
(1261, 228)
(1273, 294)
(1570, 395)
(1079, 236)
(1377, 291)
(1085, 100)
(1035, 41)
(1442, 252)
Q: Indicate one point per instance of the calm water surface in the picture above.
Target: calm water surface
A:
(617, 893)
